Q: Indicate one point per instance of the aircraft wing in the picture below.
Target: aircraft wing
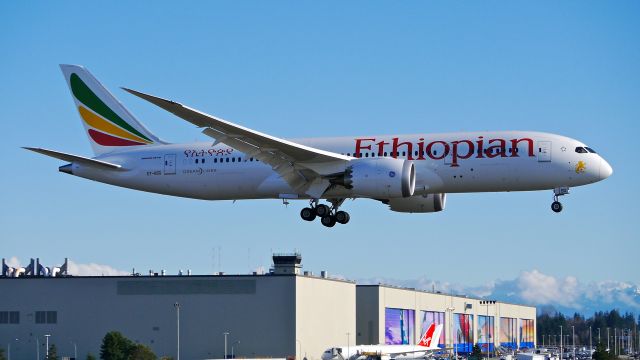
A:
(426, 351)
(301, 166)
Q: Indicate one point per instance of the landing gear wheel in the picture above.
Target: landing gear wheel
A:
(322, 210)
(308, 214)
(556, 206)
(328, 221)
(342, 217)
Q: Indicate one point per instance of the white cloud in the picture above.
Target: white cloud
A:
(541, 289)
(93, 269)
(536, 288)
(77, 269)
(13, 262)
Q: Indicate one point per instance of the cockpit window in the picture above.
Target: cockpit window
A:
(591, 150)
(581, 150)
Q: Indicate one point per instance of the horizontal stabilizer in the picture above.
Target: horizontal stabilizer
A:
(75, 158)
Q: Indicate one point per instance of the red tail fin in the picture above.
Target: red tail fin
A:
(427, 338)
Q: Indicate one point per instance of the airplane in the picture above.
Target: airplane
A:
(427, 345)
(409, 173)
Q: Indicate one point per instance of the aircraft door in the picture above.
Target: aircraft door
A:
(544, 151)
(170, 164)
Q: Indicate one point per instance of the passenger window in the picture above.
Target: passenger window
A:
(203, 161)
(385, 153)
(196, 161)
(215, 160)
(366, 154)
(227, 160)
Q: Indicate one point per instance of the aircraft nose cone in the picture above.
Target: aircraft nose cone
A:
(605, 169)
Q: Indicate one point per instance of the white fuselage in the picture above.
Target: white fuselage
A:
(474, 162)
(356, 352)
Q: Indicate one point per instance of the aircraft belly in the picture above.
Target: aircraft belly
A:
(197, 183)
(489, 175)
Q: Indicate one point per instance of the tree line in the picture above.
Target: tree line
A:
(548, 325)
(115, 346)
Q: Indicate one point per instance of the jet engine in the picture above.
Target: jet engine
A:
(418, 204)
(379, 178)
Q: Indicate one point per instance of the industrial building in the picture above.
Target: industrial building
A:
(392, 315)
(283, 314)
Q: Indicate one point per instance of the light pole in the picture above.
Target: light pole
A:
(590, 340)
(608, 346)
(598, 335)
(177, 306)
(348, 346)
(573, 338)
(233, 354)
(299, 349)
(37, 348)
(226, 333)
(47, 337)
(450, 334)
(560, 342)
(75, 350)
(488, 323)
(9, 349)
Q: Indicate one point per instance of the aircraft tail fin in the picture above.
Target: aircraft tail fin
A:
(431, 337)
(107, 122)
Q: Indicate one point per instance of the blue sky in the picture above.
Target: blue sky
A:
(303, 69)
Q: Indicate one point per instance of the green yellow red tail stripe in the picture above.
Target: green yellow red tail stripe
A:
(101, 124)
(109, 129)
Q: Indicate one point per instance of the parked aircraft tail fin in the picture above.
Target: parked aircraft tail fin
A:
(431, 337)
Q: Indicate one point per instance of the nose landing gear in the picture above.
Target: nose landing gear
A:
(329, 216)
(556, 205)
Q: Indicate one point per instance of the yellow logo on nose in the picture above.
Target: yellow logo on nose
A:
(580, 167)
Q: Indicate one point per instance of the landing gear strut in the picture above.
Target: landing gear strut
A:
(556, 205)
(329, 216)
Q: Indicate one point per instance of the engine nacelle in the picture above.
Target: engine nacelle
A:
(419, 203)
(379, 178)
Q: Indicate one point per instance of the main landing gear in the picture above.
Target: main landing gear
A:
(556, 205)
(329, 216)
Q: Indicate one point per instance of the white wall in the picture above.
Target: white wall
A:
(325, 313)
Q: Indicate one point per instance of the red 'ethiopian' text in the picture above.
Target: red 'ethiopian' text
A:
(438, 150)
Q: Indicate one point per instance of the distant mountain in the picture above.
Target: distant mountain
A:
(548, 293)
